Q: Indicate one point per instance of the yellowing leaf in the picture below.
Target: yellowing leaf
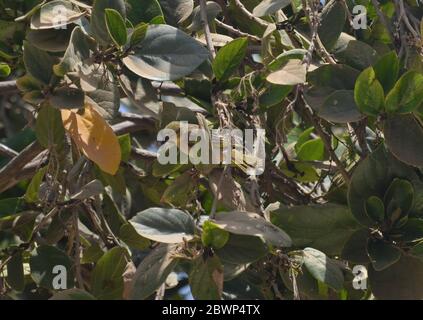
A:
(94, 137)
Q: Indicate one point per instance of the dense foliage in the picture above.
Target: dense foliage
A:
(87, 211)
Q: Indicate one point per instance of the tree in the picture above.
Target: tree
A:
(316, 111)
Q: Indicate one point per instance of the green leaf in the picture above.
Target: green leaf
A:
(358, 55)
(138, 34)
(38, 63)
(11, 206)
(267, 7)
(412, 230)
(116, 27)
(335, 76)
(55, 15)
(15, 272)
(143, 10)
(98, 20)
(274, 95)
(229, 58)
(382, 255)
(49, 127)
(417, 251)
(311, 150)
(125, 146)
(368, 93)
(67, 98)
(323, 268)
(300, 171)
(340, 107)
(399, 195)
(73, 294)
(4, 70)
(407, 93)
(387, 70)
(43, 261)
(292, 73)
(206, 279)
(28, 84)
(212, 8)
(401, 281)
(181, 191)
(333, 19)
(164, 225)
(251, 224)
(92, 254)
(31, 194)
(284, 57)
(373, 176)
(166, 53)
(325, 227)
(375, 209)
(130, 236)
(355, 249)
(107, 277)
(213, 236)
(404, 136)
(242, 250)
(153, 271)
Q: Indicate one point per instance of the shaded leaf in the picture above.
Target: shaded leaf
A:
(382, 255)
(325, 227)
(153, 271)
(401, 281)
(206, 279)
(166, 54)
(164, 225)
(251, 224)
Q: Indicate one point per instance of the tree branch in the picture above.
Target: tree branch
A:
(204, 19)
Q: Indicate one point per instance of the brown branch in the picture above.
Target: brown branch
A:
(328, 145)
(8, 152)
(249, 15)
(11, 173)
(8, 87)
(236, 31)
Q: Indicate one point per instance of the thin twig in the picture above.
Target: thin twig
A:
(235, 31)
(77, 251)
(207, 33)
